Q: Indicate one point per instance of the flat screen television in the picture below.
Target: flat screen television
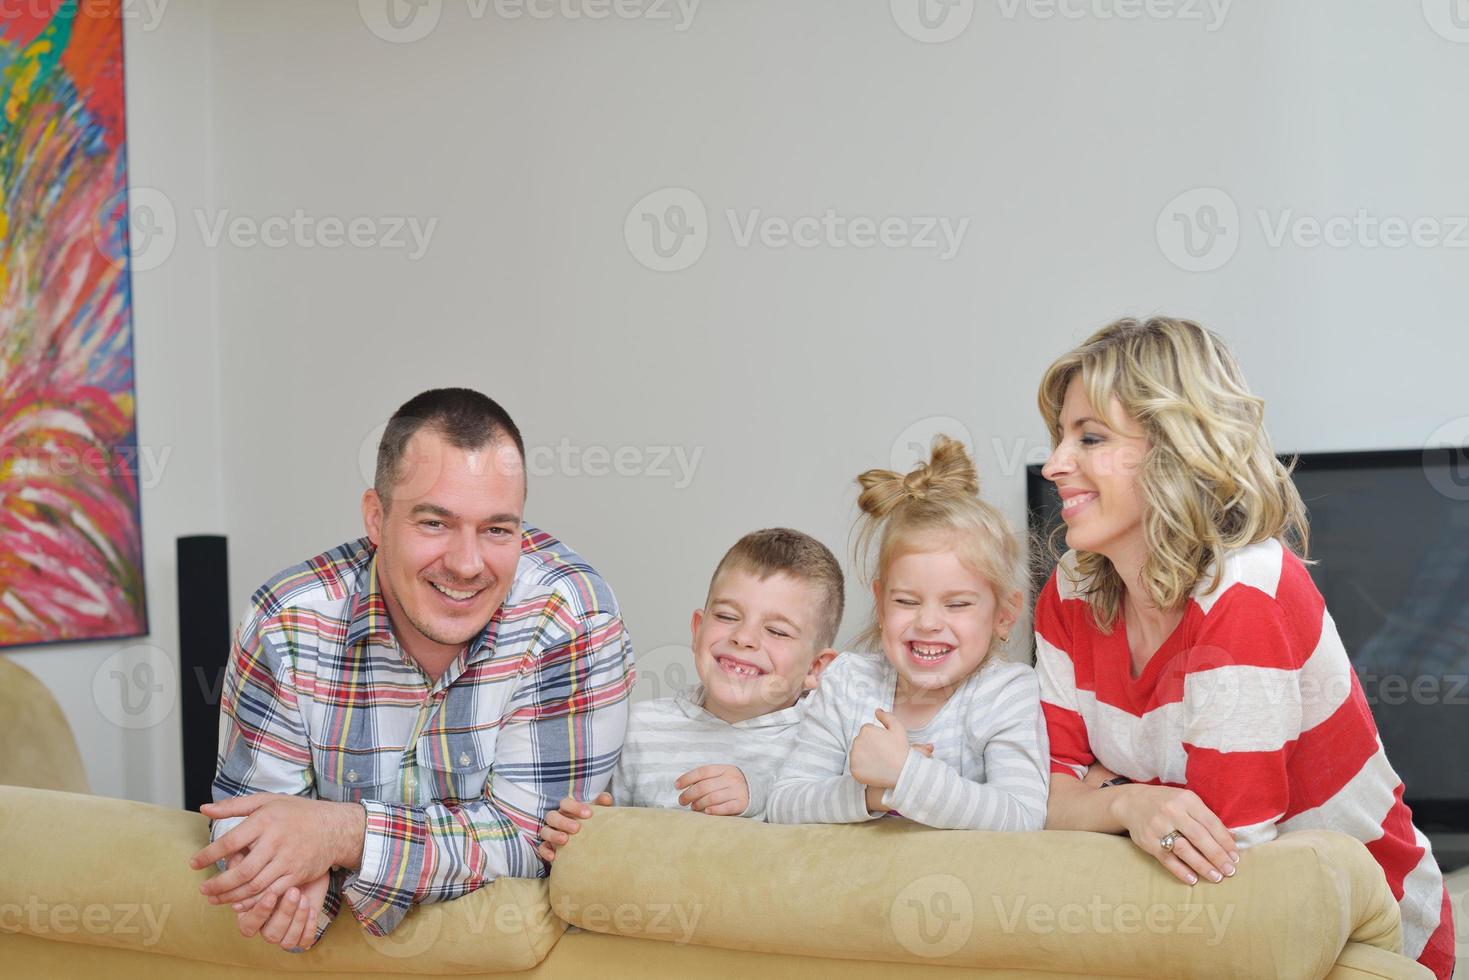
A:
(1390, 535)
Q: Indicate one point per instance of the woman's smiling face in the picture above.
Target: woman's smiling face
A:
(1096, 469)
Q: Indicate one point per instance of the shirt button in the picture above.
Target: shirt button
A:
(351, 775)
(464, 758)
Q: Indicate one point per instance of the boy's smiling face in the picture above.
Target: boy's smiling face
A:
(755, 643)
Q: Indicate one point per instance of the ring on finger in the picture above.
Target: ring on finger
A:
(1169, 839)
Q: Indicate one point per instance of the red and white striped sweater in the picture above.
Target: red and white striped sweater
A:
(1252, 704)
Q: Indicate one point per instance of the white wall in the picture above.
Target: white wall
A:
(792, 370)
(129, 736)
(789, 370)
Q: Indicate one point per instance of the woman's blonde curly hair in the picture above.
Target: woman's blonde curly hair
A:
(1210, 481)
(936, 504)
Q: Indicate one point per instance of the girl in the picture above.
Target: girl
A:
(936, 727)
(1186, 658)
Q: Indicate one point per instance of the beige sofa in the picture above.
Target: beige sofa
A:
(92, 886)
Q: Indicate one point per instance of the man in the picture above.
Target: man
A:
(400, 712)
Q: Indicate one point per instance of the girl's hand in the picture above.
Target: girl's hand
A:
(878, 752)
(561, 823)
(1204, 846)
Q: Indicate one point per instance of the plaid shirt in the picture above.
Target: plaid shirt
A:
(455, 774)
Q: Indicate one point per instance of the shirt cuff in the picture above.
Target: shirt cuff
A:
(330, 906)
(853, 800)
(362, 888)
(759, 792)
(907, 796)
(217, 829)
(1069, 769)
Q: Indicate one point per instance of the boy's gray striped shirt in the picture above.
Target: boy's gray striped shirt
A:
(990, 765)
(669, 736)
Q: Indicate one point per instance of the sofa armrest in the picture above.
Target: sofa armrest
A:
(37, 747)
(108, 872)
(1068, 901)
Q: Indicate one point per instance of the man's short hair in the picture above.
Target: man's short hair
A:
(465, 419)
(780, 549)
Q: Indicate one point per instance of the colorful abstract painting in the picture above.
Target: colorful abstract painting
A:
(71, 556)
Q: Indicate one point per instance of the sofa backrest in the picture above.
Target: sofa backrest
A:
(1075, 903)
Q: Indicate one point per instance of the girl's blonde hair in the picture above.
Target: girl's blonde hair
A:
(1210, 481)
(937, 500)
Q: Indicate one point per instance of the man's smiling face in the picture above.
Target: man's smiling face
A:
(448, 540)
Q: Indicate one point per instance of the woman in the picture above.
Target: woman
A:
(1186, 658)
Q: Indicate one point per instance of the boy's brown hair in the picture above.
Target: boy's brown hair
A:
(780, 549)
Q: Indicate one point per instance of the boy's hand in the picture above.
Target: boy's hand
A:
(878, 751)
(720, 790)
(561, 823)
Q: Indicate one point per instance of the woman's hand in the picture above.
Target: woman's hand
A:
(1204, 846)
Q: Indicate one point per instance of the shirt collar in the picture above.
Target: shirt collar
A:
(370, 623)
(691, 700)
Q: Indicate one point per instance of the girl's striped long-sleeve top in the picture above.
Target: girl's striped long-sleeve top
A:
(987, 772)
(1253, 705)
(456, 774)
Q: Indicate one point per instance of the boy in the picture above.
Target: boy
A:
(760, 643)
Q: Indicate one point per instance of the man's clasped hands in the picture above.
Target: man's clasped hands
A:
(278, 862)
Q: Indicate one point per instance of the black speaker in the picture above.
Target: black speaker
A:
(204, 649)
